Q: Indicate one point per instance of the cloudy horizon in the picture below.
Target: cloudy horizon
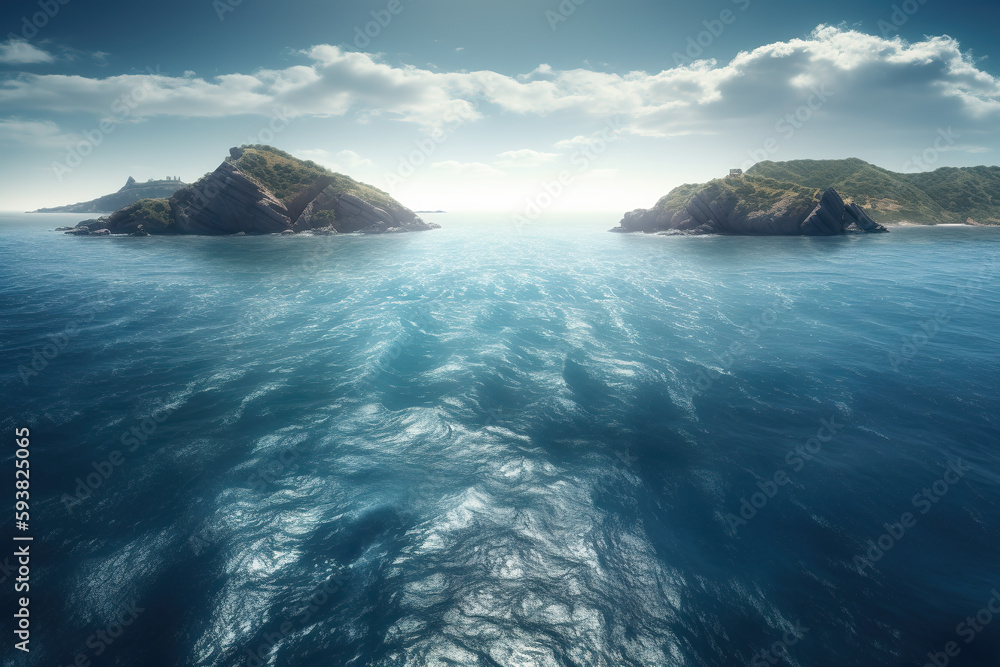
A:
(478, 129)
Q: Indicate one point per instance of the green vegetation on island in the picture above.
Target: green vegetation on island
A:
(822, 197)
(945, 195)
(752, 194)
(262, 190)
(130, 193)
(287, 176)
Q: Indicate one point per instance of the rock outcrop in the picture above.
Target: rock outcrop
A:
(353, 214)
(226, 202)
(833, 216)
(234, 199)
(153, 215)
(750, 207)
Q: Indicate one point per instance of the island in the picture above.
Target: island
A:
(822, 198)
(262, 190)
(130, 193)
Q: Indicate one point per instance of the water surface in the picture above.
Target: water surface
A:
(491, 446)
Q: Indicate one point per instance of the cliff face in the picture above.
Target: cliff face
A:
(130, 193)
(260, 190)
(750, 206)
(227, 202)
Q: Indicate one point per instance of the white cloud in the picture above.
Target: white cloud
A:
(20, 52)
(600, 174)
(887, 82)
(542, 70)
(344, 161)
(524, 158)
(582, 141)
(33, 133)
(467, 168)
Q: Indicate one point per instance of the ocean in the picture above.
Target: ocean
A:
(496, 445)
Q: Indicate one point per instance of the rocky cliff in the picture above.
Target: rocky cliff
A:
(130, 193)
(262, 190)
(750, 205)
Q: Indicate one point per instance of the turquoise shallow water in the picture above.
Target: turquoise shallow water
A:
(486, 445)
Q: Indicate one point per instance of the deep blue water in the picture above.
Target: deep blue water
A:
(490, 446)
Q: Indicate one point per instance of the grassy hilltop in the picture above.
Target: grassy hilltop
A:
(753, 194)
(261, 189)
(945, 195)
(286, 176)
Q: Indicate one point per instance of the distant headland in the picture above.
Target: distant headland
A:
(261, 190)
(822, 198)
(130, 193)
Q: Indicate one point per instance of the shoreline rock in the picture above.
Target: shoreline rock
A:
(234, 200)
(750, 207)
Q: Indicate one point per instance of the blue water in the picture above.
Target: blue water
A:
(494, 446)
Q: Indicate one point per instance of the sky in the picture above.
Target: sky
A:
(512, 105)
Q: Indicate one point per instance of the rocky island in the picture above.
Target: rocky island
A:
(262, 190)
(130, 193)
(821, 197)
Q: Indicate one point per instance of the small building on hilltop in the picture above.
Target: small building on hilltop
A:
(735, 173)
